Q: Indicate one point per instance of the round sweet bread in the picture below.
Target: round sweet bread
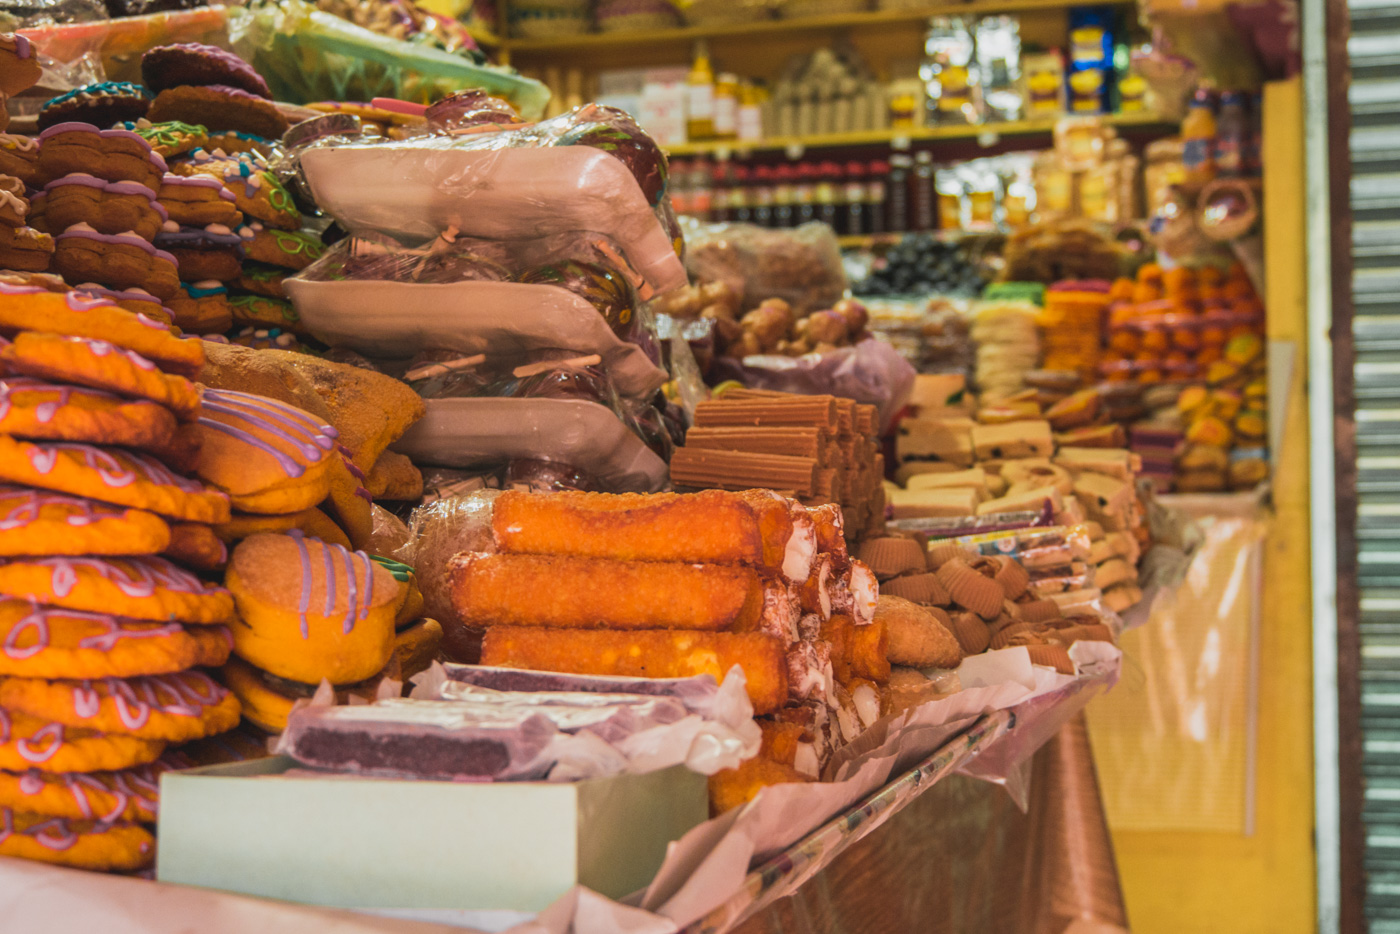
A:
(34, 743)
(37, 522)
(174, 708)
(82, 844)
(50, 642)
(136, 587)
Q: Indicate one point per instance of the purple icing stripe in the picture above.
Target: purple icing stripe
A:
(118, 239)
(198, 181)
(75, 127)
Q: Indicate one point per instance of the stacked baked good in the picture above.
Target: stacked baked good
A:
(676, 585)
(819, 449)
(21, 246)
(103, 535)
(1008, 345)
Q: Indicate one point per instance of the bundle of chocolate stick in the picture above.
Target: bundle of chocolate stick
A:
(675, 585)
(819, 449)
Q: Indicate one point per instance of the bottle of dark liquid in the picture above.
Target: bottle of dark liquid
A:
(921, 201)
(829, 193)
(897, 193)
(853, 218)
(804, 193)
(784, 183)
(740, 195)
(877, 189)
(720, 187)
(762, 196)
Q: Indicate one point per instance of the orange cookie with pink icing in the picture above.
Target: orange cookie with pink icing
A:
(268, 456)
(124, 478)
(120, 846)
(74, 314)
(41, 411)
(37, 522)
(140, 588)
(51, 642)
(97, 364)
(127, 794)
(174, 708)
(33, 743)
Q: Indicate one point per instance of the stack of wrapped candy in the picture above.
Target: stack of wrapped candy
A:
(675, 585)
(820, 449)
(103, 632)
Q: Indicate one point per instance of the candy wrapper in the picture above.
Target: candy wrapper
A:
(592, 169)
(871, 372)
(451, 729)
(802, 266)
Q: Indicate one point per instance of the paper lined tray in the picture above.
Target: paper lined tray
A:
(384, 319)
(472, 432)
(416, 189)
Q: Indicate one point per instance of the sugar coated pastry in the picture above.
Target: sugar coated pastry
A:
(308, 610)
(37, 522)
(99, 104)
(210, 252)
(90, 362)
(124, 478)
(19, 66)
(174, 708)
(219, 107)
(19, 156)
(202, 307)
(256, 191)
(261, 311)
(287, 249)
(118, 846)
(138, 587)
(112, 155)
(195, 545)
(31, 408)
(107, 207)
(77, 315)
(267, 455)
(123, 260)
(25, 248)
(126, 794)
(14, 205)
(39, 641)
(171, 138)
(199, 200)
(138, 301)
(33, 743)
(170, 66)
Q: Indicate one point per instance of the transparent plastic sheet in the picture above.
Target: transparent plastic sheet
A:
(591, 168)
(1175, 742)
(802, 266)
(23, 14)
(440, 531)
(871, 372)
(307, 55)
(117, 44)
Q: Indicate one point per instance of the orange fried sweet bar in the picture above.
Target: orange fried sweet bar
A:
(712, 527)
(599, 593)
(645, 654)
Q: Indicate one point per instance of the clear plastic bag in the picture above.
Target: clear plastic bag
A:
(802, 266)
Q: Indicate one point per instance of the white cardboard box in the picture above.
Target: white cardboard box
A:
(350, 842)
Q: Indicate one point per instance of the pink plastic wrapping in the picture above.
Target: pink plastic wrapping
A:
(591, 169)
(871, 372)
(802, 266)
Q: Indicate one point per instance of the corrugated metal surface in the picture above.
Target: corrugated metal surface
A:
(1375, 201)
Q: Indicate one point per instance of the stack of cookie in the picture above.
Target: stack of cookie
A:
(104, 624)
(21, 246)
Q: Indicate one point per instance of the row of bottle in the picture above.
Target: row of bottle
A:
(1221, 137)
(855, 198)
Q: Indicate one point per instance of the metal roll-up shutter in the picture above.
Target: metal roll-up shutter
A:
(1374, 50)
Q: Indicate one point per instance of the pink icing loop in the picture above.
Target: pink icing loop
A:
(32, 749)
(38, 621)
(305, 601)
(54, 834)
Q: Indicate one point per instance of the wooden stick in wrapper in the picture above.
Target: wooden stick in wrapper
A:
(598, 593)
(756, 528)
(645, 654)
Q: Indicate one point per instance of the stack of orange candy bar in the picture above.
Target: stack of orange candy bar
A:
(676, 585)
(817, 449)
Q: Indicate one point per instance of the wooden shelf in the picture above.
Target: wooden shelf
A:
(876, 19)
(903, 138)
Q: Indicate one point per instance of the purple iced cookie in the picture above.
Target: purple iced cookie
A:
(469, 108)
(169, 66)
(98, 104)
